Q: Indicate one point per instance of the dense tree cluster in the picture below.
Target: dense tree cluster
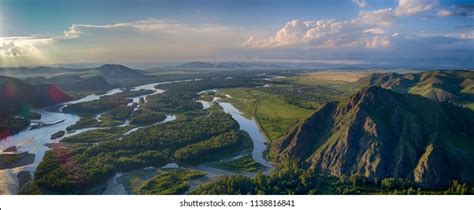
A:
(97, 106)
(290, 178)
(10, 125)
(207, 150)
(145, 116)
(77, 168)
(119, 113)
(172, 102)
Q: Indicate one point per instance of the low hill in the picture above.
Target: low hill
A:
(114, 73)
(17, 95)
(74, 83)
(377, 133)
(95, 83)
(198, 65)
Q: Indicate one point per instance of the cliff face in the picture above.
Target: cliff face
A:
(380, 133)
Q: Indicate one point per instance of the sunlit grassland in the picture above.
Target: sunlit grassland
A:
(314, 80)
(159, 181)
(281, 106)
(469, 105)
(273, 114)
(243, 164)
(169, 182)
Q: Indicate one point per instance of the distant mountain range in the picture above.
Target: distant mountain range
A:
(257, 66)
(112, 73)
(17, 95)
(230, 66)
(380, 133)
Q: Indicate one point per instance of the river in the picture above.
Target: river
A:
(115, 184)
(34, 141)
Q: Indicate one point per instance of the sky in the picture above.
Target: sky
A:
(405, 32)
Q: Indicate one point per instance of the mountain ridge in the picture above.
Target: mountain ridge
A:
(455, 86)
(377, 133)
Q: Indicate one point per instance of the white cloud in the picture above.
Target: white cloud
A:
(138, 41)
(21, 46)
(384, 17)
(377, 41)
(374, 31)
(10, 50)
(444, 13)
(360, 3)
(16, 51)
(154, 38)
(367, 30)
(414, 7)
(150, 26)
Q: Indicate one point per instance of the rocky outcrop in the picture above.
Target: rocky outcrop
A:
(380, 133)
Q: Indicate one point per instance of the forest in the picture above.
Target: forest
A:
(291, 179)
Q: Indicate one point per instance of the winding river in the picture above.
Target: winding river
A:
(115, 184)
(34, 141)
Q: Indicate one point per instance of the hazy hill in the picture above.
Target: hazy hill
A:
(95, 83)
(23, 72)
(74, 83)
(449, 86)
(114, 73)
(240, 66)
(380, 133)
(16, 95)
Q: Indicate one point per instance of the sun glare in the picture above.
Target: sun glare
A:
(18, 51)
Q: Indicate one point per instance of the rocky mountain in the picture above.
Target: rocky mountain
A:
(114, 73)
(17, 95)
(450, 86)
(379, 133)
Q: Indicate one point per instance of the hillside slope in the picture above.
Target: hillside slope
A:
(448, 86)
(16, 95)
(114, 73)
(380, 133)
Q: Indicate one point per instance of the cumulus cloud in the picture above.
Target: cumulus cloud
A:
(374, 31)
(15, 51)
(384, 17)
(10, 50)
(414, 7)
(360, 3)
(367, 30)
(21, 46)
